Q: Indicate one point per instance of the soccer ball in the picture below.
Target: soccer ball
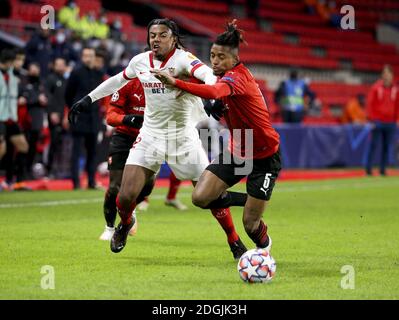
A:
(256, 265)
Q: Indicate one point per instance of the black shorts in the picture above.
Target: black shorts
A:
(119, 148)
(2, 132)
(12, 129)
(260, 180)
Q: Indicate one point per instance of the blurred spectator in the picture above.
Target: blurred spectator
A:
(19, 62)
(290, 97)
(354, 111)
(38, 49)
(100, 61)
(116, 30)
(62, 48)
(69, 14)
(55, 91)
(82, 80)
(326, 10)
(383, 114)
(16, 144)
(87, 26)
(36, 101)
(310, 6)
(334, 16)
(102, 29)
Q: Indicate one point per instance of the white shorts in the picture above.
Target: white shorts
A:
(185, 157)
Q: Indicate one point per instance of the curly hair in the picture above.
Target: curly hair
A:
(171, 25)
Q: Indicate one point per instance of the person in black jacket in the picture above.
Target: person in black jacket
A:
(36, 102)
(38, 49)
(82, 80)
(55, 91)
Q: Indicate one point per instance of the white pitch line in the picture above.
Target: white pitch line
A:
(49, 203)
(279, 188)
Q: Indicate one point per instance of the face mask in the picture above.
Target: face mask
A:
(60, 38)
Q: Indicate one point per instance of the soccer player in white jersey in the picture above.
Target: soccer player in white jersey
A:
(168, 132)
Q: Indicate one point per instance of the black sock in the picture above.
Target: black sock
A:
(230, 199)
(110, 208)
(20, 166)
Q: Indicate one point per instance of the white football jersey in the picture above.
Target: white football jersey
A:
(169, 112)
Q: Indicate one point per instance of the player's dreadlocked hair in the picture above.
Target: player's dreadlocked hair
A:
(232, 37)
(171, 25)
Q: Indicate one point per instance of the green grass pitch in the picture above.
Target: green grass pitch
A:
(317, 229)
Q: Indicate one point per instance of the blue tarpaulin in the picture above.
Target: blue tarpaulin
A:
(332, 146)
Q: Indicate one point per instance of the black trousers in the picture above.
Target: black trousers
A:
(385, 133)
(90, 143)
(32, 136)
(56, 132)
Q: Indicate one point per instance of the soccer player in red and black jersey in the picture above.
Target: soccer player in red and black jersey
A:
(125, 113)
(244, 108)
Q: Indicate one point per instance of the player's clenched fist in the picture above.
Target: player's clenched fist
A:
(78, 107)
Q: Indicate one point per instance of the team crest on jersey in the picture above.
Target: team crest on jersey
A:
(115, 97)
(171, 71)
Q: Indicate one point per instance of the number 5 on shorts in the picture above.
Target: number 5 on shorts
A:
(266, 183)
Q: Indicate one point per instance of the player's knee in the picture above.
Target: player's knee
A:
(22, 146)
(199, 200)
(2, 150)
(125, 199)
(113, 189)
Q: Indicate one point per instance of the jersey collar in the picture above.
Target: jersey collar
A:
(163, 62)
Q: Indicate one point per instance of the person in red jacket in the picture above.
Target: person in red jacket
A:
(245, 112)
(383, 113)
(125, 113)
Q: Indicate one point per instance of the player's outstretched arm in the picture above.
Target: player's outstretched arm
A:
(106, 88)
(205, 91)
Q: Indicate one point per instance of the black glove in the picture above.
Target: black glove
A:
(77, 108)
(133, 121)
(215, 109)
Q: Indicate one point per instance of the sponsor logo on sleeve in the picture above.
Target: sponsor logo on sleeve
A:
(230, 79)
(195, 62)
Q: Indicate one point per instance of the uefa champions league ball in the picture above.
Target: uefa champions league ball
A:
(256, 265)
